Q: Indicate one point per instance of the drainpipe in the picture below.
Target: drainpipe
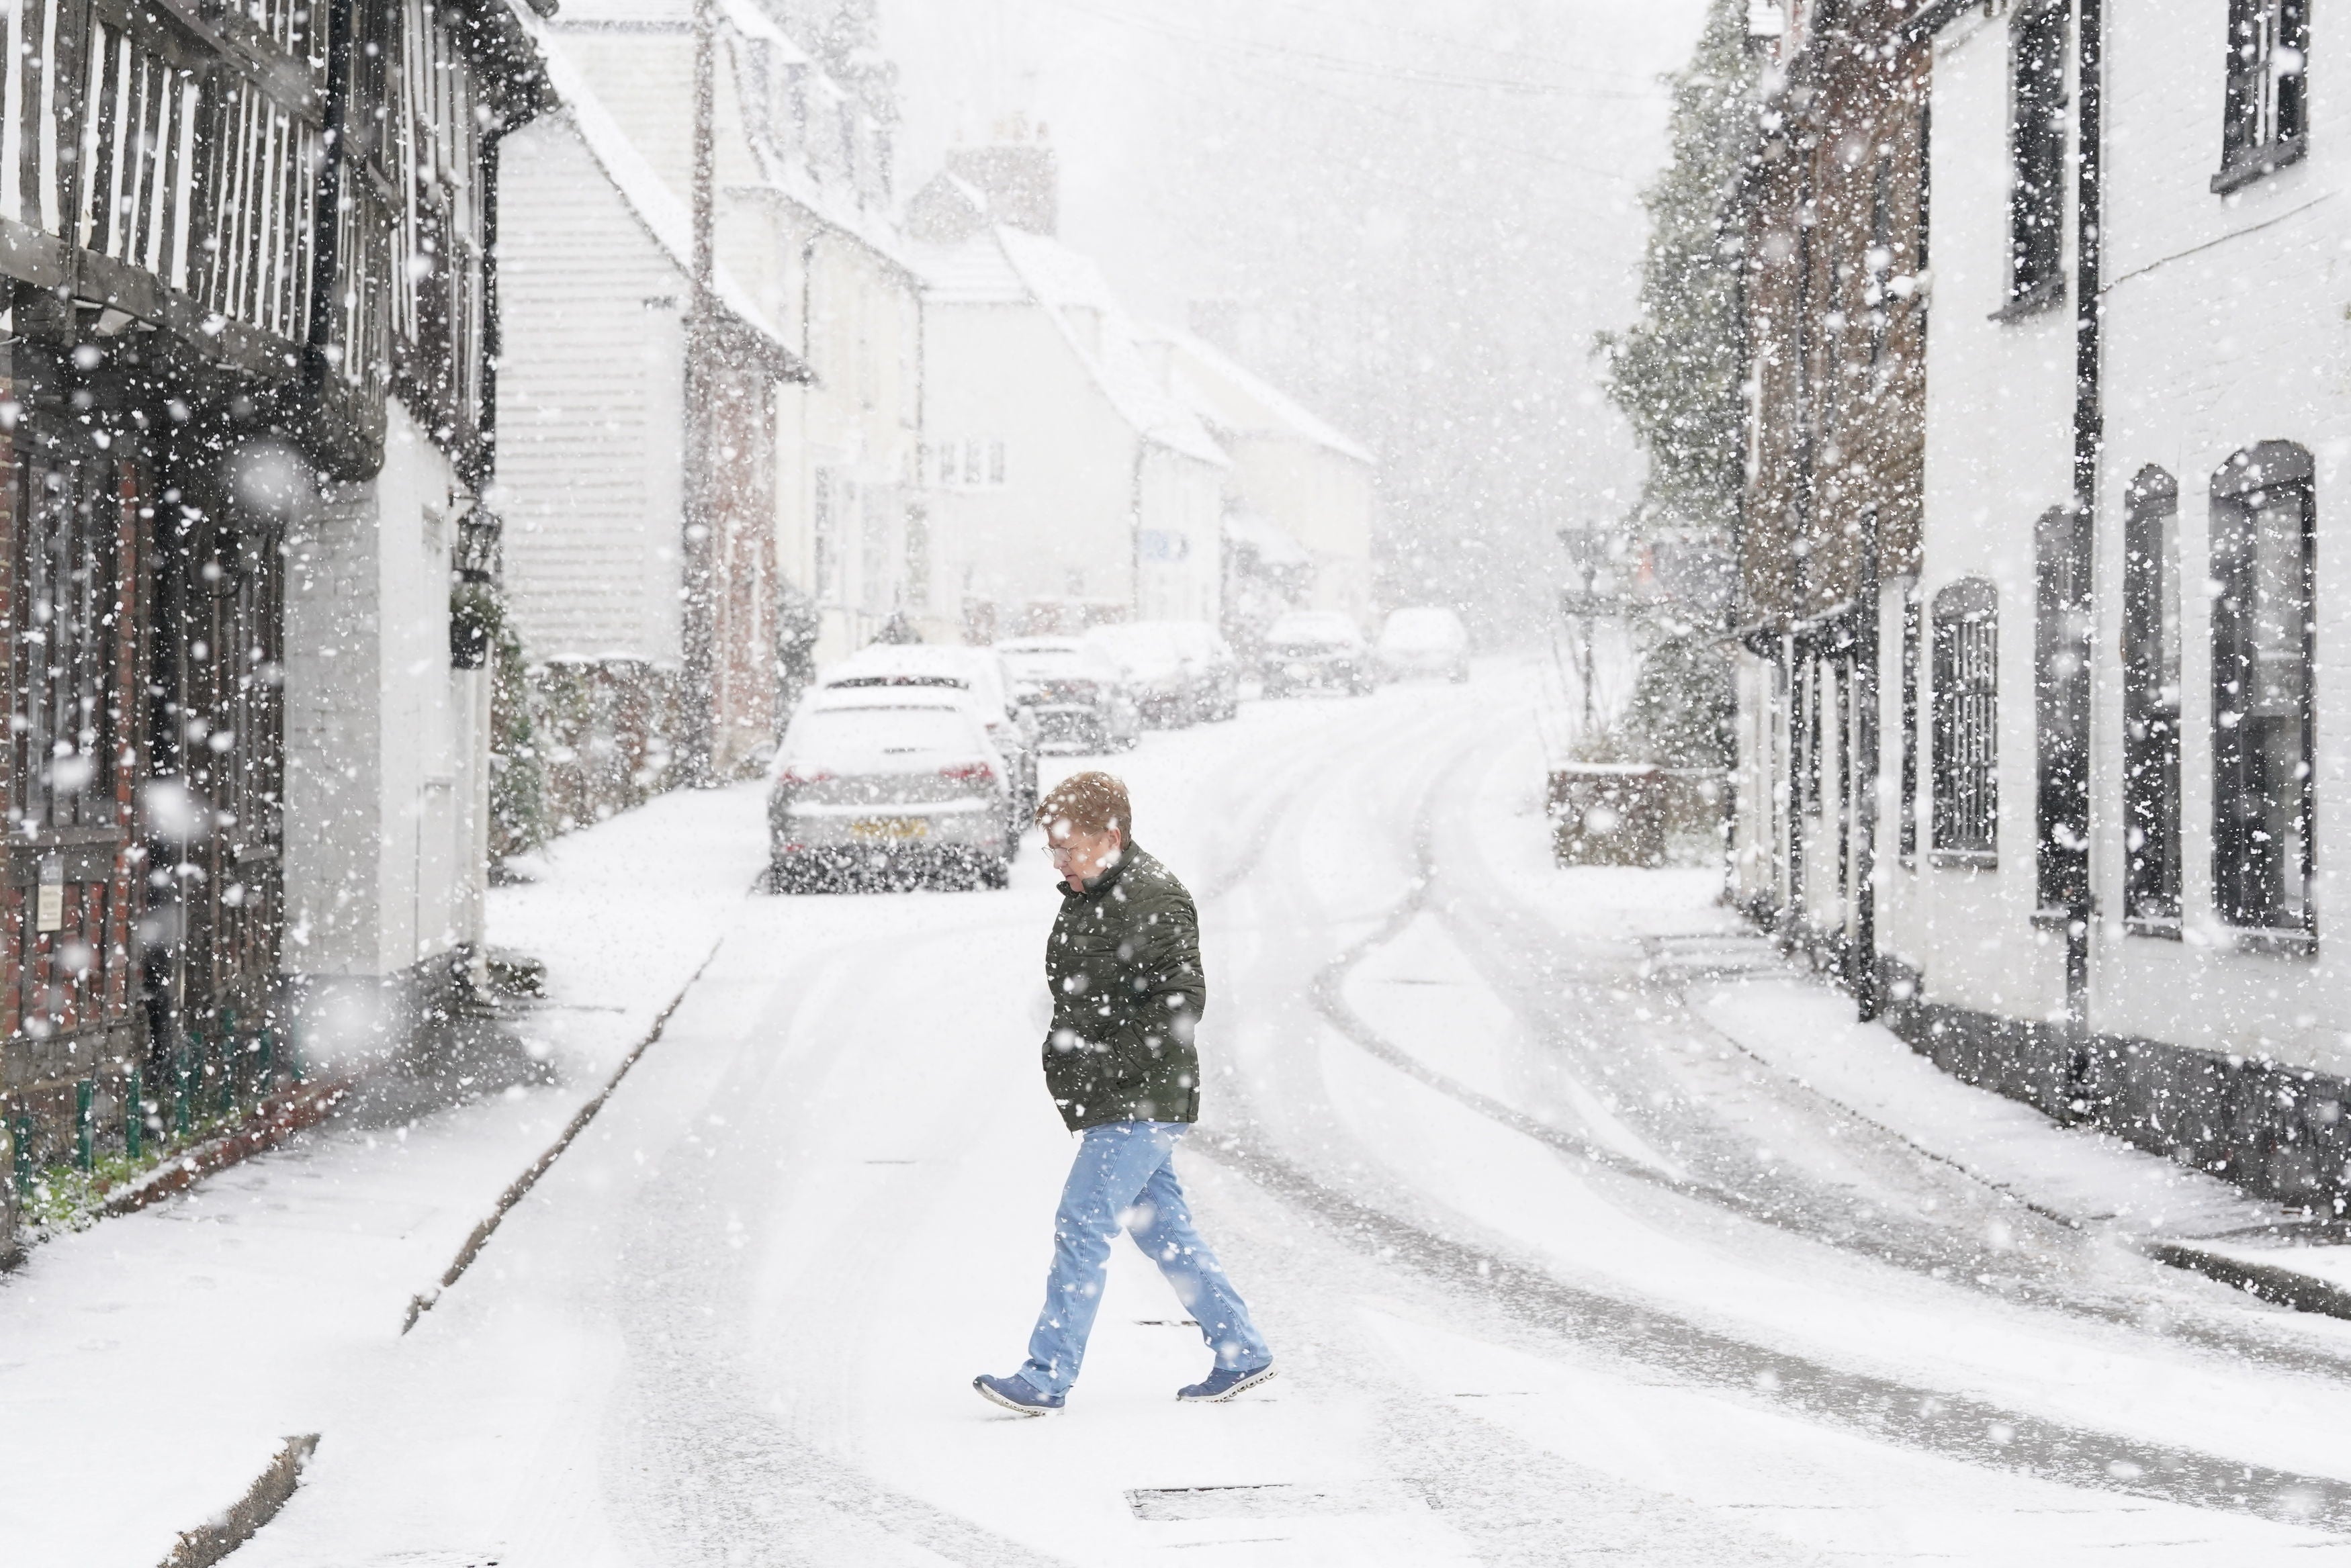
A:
(2089, 425)
(1141, 447)
(698, 544)
(1863, 974)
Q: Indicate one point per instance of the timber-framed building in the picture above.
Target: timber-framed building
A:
(245, 268)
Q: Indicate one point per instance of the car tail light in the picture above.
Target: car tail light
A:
(969, 773)
(797, 775)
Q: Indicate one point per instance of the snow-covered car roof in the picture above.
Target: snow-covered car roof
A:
(1033, 658)
(919, 664)
(1314, 626)
(1141, 647)
(1192, 636)
(1422, 626)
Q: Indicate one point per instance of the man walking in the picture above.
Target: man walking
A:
(1124, 963)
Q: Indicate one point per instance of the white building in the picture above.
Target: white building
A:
(1299, 491)
(1070, 480)
(816, 454)
(387, 745)
(2114, 788)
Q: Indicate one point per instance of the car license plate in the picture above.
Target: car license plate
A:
(888, 830)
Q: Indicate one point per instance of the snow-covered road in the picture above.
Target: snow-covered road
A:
(1556, 1264)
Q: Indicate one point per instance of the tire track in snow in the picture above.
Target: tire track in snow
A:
(1489, 929)
(721, 1478)
(1974, 1431)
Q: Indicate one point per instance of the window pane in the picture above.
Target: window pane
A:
(1966, 729)
(2151, 699)
(2279, 609)
(2037, 153)
(2262, 704)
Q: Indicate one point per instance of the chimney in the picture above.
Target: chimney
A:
(1022, 181)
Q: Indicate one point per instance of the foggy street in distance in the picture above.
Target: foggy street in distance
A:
(797, 784)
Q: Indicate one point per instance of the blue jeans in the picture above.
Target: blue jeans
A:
(1124, 1177)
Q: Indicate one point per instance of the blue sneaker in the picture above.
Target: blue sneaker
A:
(1224, 1383)
(1017, 1394)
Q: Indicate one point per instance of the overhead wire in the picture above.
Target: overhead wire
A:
(1451, 40)
(1480, 140)
(1344, 65)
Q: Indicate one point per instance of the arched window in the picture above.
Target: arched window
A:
(2151, 647)
(1966, 722)
(2263, 650)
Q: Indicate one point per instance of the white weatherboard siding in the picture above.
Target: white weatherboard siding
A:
(2224, 327)
(590, 407)
(1999, 413)
(386, 776)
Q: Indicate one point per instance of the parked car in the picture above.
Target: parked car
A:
(979, 673)
(1216, 670)
(1307, 649)
(1423, 639)
(886, 787)
(1157, 673)
(1078, 694)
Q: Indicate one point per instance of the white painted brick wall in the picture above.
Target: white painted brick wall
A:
(386, 764)
(2225, 325)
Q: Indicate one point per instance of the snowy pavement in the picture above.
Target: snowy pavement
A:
(1572, 1241)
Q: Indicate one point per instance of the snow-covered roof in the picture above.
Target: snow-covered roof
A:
(754, 24)
(975, 272)
(668, 16)
(1236, 401)
(830, 202)
(1274, 545)
(1055, 274)
(1065, 282)
(665, 217)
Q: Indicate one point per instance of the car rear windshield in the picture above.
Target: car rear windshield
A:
(880, 736)
(847, 682)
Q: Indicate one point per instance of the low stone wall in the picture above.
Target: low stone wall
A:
(607, 733)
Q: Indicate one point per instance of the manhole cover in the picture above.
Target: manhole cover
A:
(1277, 1500)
